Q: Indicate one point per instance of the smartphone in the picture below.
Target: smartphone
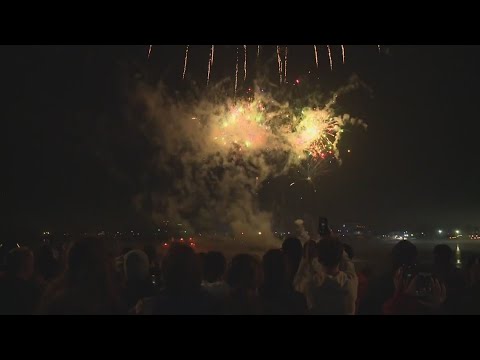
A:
(323, 228)
(424, 284)
(409, 272)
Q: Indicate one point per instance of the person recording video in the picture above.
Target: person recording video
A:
(327, 276)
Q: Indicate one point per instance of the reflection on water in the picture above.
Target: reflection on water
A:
(458, 256)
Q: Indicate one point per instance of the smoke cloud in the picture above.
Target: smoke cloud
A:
(213, 154)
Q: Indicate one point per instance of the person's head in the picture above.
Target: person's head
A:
(46, 264)
(404, 253)
(442, 255)
(20, 263)
(181, 269)
(214, 266)
(88, 264)
(243, 273)
(274, 268)
(136, 266)
(293, 250)
(349, 250)
(310, 250)
(330, 252)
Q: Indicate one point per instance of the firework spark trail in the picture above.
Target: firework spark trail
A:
(186, 63)
(279, 63)
(213, 54)
(286, 63)
(149, 51)
(316, 54)
(330, 56)
(379, 48)
(210, 62)
(258, 51)
(245, 63)
(343, 53)
(236, 75)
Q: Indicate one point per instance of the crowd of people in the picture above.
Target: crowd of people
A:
(317, 278)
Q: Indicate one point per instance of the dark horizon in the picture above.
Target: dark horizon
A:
(74, 160)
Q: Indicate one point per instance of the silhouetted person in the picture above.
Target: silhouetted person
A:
(293, 250)
(308, 269)
(243, 279)
(47, 266)
(154, 259)
(201, 260)
(406, 299)
(277, 294)
(18, 292)
(86, 287)
(334, 290)
(404, 254)
(362, 277)
(444, 269)
(443, 257)
(137, 276)
(183, 293)
(470, 301)
(214, 268)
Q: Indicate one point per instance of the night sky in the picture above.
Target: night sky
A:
(74, 159)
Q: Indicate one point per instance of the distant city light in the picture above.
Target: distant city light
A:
(440, 232)
(457, 232)
(259, 233)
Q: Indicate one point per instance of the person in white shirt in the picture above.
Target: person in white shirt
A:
(327, 278)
